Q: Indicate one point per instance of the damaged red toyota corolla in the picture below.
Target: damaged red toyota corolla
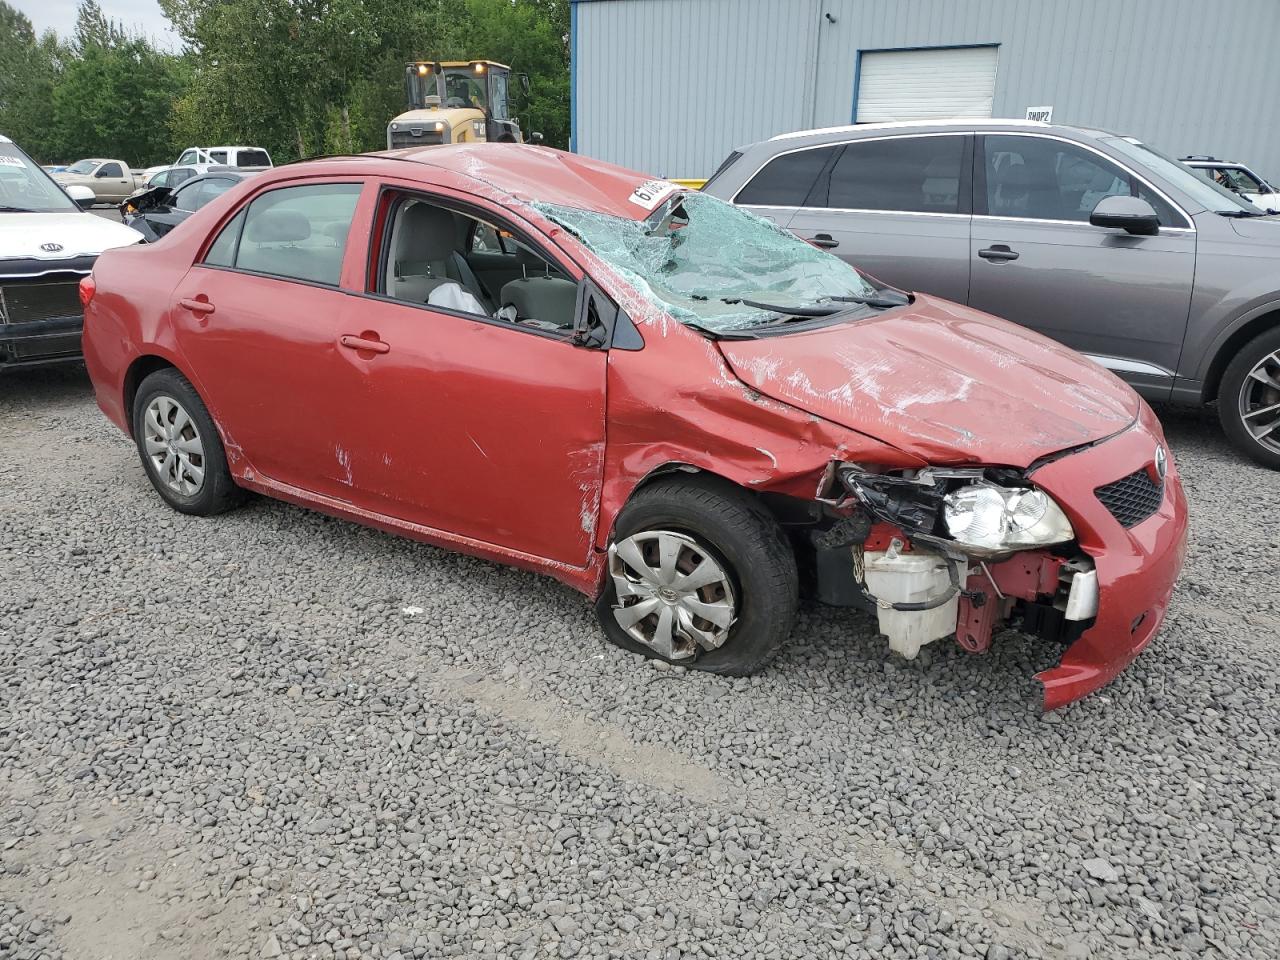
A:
(656, 398)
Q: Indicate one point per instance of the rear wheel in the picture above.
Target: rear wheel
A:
(699, 576)
(1249, 399)
(180, 447)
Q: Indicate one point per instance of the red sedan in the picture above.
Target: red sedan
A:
(659, 399)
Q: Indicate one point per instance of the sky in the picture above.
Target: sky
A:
(138, 16)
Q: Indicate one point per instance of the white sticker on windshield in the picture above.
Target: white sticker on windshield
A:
(652, 192)
(10, 161)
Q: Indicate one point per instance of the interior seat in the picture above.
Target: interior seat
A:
(538, 295)
(425, 255)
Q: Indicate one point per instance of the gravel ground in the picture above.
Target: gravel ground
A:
(275, 734)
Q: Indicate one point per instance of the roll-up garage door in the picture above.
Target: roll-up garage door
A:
(926, 84)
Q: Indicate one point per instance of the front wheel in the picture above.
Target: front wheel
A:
(1249, 399)
(699, 576)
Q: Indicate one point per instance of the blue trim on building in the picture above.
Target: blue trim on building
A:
(573, 76)
(857, 63)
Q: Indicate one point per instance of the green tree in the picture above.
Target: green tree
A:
(30, 68)
(115, 96)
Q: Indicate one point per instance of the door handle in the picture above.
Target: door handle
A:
(823, 241)
(360, 343)
(197, 306)
(997, 253)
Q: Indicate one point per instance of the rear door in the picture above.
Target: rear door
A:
(1037, 261)
(259, 319)
(897, 208)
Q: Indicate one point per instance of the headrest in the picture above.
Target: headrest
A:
(278, 226)
(426, 233)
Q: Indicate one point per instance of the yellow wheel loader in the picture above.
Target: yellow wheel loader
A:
(458, 101)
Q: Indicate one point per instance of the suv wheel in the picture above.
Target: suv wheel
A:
(1249, 399)
(699, 576)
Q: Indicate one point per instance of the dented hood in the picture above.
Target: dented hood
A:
(943, 382)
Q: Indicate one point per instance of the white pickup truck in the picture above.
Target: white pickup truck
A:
(243, 158)
(110, 180)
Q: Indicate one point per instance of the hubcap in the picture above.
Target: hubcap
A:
(173, 446)
(1260, 402)
(672, 595)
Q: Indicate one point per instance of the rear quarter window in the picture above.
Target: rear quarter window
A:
(786, 180)
(253, 158)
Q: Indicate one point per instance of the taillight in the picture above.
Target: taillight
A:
(87, 289)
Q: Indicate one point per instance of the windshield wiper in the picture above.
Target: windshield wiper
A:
(806, 312)
(8, 209)
(883, 299)
(1241, 214)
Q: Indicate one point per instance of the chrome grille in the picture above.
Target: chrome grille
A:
(1132, 499)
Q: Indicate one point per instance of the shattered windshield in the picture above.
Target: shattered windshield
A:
(699, 258)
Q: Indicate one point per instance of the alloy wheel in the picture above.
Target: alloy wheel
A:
(174, 448)
(1259, 402)
(673, 595)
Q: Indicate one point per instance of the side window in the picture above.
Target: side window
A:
(110, 170)
(785, 181)
(253, 158)
(1042, 179)
(424, 265)
(907, 174)
(222, 252)
(299, 233)
(212, 188)
(187, 197)
(188, 156)
(218, 156)
(180, 176)
(161, 179)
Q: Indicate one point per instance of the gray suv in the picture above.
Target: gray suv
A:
(1091, 238)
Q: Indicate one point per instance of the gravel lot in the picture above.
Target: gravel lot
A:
(275, 734)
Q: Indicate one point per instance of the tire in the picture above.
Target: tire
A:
(188, 445)
(711, 519)
(1239, 393)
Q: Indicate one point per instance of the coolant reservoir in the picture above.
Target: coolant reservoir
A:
(915, 577)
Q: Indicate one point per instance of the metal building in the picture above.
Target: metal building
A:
(671, 86)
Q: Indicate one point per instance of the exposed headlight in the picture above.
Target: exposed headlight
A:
(395, 126)
(477, 127)
(990, 518)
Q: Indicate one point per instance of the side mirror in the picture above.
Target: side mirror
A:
(535, 137)
(524, 83)
(1130, 214)
(83, 196)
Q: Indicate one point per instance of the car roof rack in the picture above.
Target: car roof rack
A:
(1200, 156)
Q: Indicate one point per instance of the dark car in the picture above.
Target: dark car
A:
(155, 212)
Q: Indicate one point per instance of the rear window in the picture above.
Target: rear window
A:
(787, 180)
(253, 158)
(298, 233)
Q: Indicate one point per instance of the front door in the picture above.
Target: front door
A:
(1036, 260)
(897, 208)
(260, 319)
(485, 428)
